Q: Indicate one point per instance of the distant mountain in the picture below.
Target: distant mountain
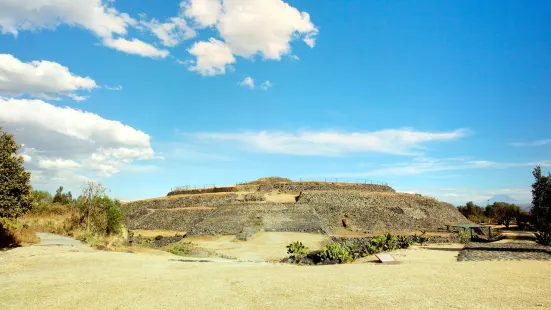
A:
(498, 198)
(524, 206)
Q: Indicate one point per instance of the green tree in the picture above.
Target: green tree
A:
(472, 211)
(541, 200)
(41, 196)
(505, 212)
(62, 198)
(58, 197)
(15, 188)
(489, 212)
(101, 214)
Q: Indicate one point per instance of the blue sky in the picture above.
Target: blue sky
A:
(444, 98)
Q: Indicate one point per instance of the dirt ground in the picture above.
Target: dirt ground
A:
(157, 232)
(263, 246)
(72, 276)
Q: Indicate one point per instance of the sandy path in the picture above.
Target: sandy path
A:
(65, 277)
(263, 246)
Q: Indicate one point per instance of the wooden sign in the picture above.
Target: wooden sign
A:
(386, 259)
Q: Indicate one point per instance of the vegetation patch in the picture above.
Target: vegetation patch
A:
(345, 250)
(14, 234)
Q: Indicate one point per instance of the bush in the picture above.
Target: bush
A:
(390, 243)
(297, 250)
(45, 208)
(99, 213)
(335, 252)
(421, 239)
(543, 237)
(181, 248)
(14, 234)
(115, 217)
(254, 197)
(344, 250)
(41, 196)
(404, 242)
(376, 244)
(464, 236)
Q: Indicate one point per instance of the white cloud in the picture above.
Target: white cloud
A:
(205, 13)
(187, 62)
(330, 143)
(95, 15)
(116, 87)
(172, 32)
(77, 98)
(44, 79)
(310, 41)
(250, 28)
(58, 164)
(532, 143)
(265, 27)
(69, 144)
(266, 85)
(247, 82)
(427, 165)
(213, 57)
(136, 47)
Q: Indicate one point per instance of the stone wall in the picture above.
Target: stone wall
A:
(230, 219)
(210, 190)
(381, 212)
(185, 201)
(316, 211)
(295, 187)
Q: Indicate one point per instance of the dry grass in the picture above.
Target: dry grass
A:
(25, 236)
(157, 232)
(61, 224)
(12, 237)
(282, 198)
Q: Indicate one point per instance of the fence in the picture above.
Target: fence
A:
(327, 180)
(186, 187)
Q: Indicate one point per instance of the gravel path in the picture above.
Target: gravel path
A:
(69, 277)
(47, 239)
(504, 251)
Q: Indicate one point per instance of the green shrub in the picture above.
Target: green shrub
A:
(404, 242)
(421, 239)
(390, 243)
(376, 244)
(99, 213)
(297, 250)
(464, 236)
(336, 252)
(181, 248)
(543, 237)
(115, 217)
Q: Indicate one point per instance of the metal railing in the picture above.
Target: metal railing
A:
(327, 180)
